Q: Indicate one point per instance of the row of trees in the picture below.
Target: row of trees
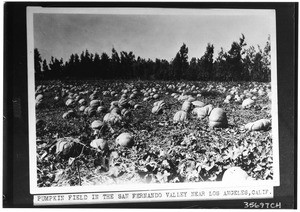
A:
(238, 64)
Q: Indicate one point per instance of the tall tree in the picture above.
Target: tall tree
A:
(266, 59)
(248, 63)
(105, 62)
(191, 73)
(127, 61)
(206, 64)
(220, 66)
(37, 63)
(56, 67)
(45, 69)
(115, 64)
(234, 60)
(180, 63)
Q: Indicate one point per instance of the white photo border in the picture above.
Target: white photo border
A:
(34, 189)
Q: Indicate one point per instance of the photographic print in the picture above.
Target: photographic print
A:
(142, 99)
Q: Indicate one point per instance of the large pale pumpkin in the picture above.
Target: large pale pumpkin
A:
(218, 118)
(180, 116)
(262, 124)
(235, 175)
(125, 140)
(202, 112)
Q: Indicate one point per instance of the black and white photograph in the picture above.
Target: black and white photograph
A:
(152, 99)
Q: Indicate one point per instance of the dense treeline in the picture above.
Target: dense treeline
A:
(238, 64)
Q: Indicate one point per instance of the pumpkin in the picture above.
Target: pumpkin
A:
(235, 175)
(86, 110)
(125, 112)
(82, 102)
(124, 96)
(101, 109)
(158, 103)
(70, 103)
(155, 96)
(91, 111)
(39, 97)
(95, 103)
(202, 112)
(112, 118)
(158, 107)
(38, 89)
(82, 108)
(114, 104)
(198, 104)
(115, 110)
(65, 147)
(93, 96)
(180, 116)
(38, 102)
(132, 96)
(247, 103)
(123, 103)
(113, 93)
(218, 118)
(97, 124)
(262, 124)
(99, 144)
(125, 140)
(183, 97)
(131, 103)
(186, 106)
(137, 106)
(68, 114)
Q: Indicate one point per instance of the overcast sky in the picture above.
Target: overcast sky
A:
(148, 36)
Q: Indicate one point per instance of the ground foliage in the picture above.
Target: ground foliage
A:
(164, 152)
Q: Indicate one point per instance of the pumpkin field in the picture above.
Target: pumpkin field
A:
(93, 132)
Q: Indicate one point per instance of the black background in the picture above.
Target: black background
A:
(16, 142)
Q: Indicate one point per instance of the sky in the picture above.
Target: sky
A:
(148, 36)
